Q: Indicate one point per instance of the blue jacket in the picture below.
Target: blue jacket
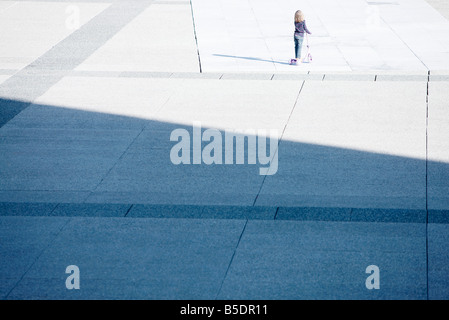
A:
(300, 28)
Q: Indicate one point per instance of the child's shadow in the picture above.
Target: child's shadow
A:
(251, 58)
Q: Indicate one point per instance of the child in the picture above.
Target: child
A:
(300, 29)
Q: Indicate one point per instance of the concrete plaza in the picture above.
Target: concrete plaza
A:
(91, 91)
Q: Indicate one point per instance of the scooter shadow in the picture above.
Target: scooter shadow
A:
(252, 58)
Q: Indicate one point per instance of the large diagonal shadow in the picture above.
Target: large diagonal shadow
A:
(112, 158)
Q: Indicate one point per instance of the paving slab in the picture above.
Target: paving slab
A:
(43, 196)
(175, 288)
(165, 211)
(294, 76)
(60, 160)
(168, 258)
(298, 260)
(247, 76)
(391, 77)
(203, 212)
(195, 75)
(90, 210)
(183, 197)
(438, 216)
(439, 78)
(42, 25)
(232, 104)
(136, 98)
(139, 173)
(439, 72)
(349, 77)
(376, 149)
(313, 213)
(3, 78)
(132, 49)
(438, 258)
(438, 146)
(389, 215)
(23, 239)
(26, 209)
(441, 6)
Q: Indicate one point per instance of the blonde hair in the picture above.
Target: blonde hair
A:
(299, 16)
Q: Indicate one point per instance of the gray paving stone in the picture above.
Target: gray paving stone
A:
(297, 76)
(439, 216)
(314, 214)
(437, 189)
(165, 211)
(438, 77)
(294, 199)
(22, 241)
(43, 196)
(349, 77)
(7, 71)
(401, 77)
(184, 288)
(441, 6)
(438, 261)
(6, 285)
(191, 75)
(239, 212)
(182, 197)
(340, 236)
(150, 140)
(85, 73)
(91, 210)
(26, 209)
(322, 275)
(202, 212)
(166, 256)
(134, 74)
(291, 290)
(388, 215)
(246, 76)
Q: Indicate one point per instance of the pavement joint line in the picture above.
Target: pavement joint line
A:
(276, 214)
(280, 138)
(129, 209)
(118, 160)
(372, 215)
(427, 184)
(196, 38)
(54, 208)
(405, 43)
(232, 259)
